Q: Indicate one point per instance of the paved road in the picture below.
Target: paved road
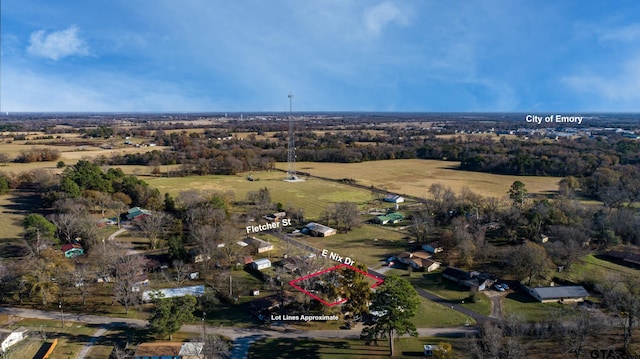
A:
(242, 337)
(455, 305)
(479, 318)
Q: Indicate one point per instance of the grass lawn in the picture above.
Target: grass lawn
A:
(312, 196)
(346, 348)
(519, 303)
(413, 177)
(432, 282)
(432, 314)
(361, 245)
(591, 270)
(71, 338)
(14, 206)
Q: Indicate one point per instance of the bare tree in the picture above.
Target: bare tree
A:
(215, 347)
(81, 279)
(182, 271)
(67, 224)
(344, 214)
(118, 207)
(421, 227)
(624, 298)
(4, 158)
(581, 330)
(153, 226)
(127, 272)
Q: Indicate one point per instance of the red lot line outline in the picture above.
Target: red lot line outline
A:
(293, 283)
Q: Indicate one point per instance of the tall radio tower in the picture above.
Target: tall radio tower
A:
(291, 151)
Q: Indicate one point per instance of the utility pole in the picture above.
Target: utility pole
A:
(204, 326)
(61, 313)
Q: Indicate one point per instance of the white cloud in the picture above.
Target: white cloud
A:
(31, 91)
(378, 17)
(630, 33)
(57, 45)
(620, 91)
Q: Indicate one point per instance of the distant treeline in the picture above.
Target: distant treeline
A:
(605, 163)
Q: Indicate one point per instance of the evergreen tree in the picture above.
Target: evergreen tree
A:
(170, 314)
(394, 304)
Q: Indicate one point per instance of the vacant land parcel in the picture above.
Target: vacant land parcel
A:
(413, 177)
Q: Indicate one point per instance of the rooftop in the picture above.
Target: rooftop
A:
(561, 292)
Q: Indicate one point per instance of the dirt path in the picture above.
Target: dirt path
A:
(496, 304)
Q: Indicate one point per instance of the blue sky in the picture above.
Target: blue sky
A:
(334, 55)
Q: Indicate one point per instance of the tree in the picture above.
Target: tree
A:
(581, 330)
(261, 199)
(39, 232)
(215, 347)
(4, 185)
(395, 303)
(152, 227)
(67, 224)
(443, 351)
(344, 214)
(127, 270)
(4, 158)
(529, 261)
(170, 314)
(624, 299)
(518, 193)
(357, 290)
(45, 273)
(421, 227)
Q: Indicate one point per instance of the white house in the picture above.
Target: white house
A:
(260, 264)
(393, 198)
(320, 230)
(7, 339)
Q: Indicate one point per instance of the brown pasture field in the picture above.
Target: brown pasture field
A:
(413, 177)
(69, 154)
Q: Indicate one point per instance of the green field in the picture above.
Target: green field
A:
(313, 195)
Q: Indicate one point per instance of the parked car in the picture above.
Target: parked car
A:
(505, 286)
(499, 287)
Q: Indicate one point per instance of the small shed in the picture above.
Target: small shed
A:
(260, 264)
(428, 350)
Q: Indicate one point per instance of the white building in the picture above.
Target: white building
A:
(260, 264)
(8, 339)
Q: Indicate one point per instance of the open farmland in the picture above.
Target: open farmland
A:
(413, 177)
(71, 147)
(313, 195)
